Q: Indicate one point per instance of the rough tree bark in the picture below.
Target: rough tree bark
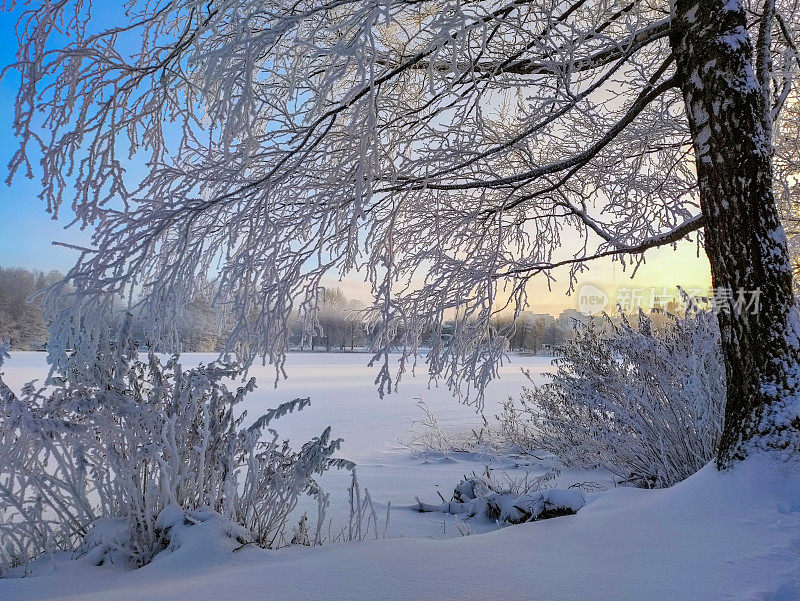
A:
(729, 117)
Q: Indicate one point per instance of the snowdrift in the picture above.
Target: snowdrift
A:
(733, 535)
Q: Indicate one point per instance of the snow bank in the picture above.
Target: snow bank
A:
(733, 535)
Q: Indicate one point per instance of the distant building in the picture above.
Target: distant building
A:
(568, 317)
(534, 317)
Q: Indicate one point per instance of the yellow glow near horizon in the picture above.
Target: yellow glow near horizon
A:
(664, 268)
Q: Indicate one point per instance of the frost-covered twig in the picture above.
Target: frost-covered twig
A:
(426, 438)
(363, 518)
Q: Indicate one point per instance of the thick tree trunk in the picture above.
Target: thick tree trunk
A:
(744, 240)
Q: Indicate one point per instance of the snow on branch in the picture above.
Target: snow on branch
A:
(439, 149)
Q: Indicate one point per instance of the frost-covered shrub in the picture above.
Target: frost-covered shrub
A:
(645, 402)
(118, 438)
(514, 502)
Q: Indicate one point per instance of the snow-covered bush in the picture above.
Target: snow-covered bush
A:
(514, 502)
(118, 438)
(644, 402)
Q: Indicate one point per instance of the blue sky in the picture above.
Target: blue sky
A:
(26, 230)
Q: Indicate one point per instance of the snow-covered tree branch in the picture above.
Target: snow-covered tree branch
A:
(448, 150)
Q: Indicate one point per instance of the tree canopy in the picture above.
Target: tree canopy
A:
(448, 150)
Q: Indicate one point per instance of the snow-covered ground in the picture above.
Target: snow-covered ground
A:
(715, 536)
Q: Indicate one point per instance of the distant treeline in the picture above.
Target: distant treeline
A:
(20, 320)
(204, 328)
(531, 332)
